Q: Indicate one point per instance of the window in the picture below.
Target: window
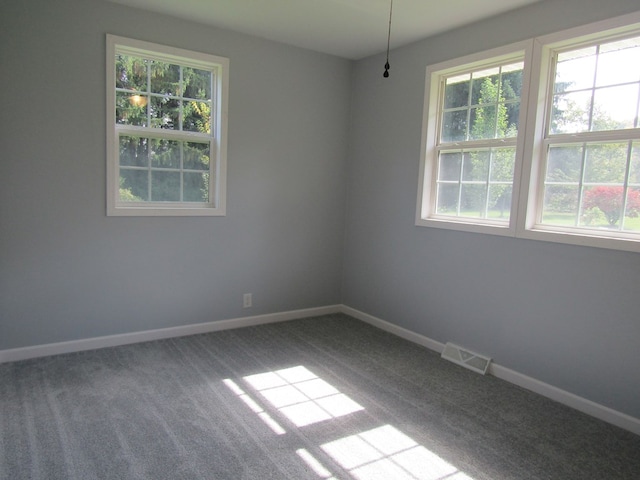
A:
(472, 128)
(557, 161)
(166, 122)
(586, 172)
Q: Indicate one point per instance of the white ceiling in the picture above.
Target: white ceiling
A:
(351, 29)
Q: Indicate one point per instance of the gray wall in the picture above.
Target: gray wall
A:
(68, 272)
(566, 315)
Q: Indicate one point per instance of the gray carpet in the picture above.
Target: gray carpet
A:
(320, 398)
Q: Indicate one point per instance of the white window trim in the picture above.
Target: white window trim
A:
(530, 145)
(220, 93)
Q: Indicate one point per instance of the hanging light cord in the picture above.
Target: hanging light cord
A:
(386, 65)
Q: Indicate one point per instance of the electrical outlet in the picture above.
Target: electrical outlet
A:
(246, 300)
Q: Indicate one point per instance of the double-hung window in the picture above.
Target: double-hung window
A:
(166, 130)
(539, 140)
(471, 135)
(585, 172)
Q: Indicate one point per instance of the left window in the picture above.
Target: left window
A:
(472, 142)
(166, 130)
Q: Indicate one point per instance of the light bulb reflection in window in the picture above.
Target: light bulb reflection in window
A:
(138, 100)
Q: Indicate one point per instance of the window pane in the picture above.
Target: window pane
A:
(602, 206)
(511, 83)
(483, 121)
(560, 205)
(131, 109)
(499, 202)
(131, 73)
(134, 185)
(571, 112)
(134, 151)
(634, 166)
(197, 83)
(165, 113)
(165, 186)
(575, 70)
(473, 199)
(165, 78)
(196, 156)
(476, 166)
(456, 93)
(449, 166)
(564, 164)
(503, 164)
(619, 62)
(454, 126)
(485, 86)
(447, 203)
(512, 120)
(165, 153)
(197, 117)
(615, 108)
(196, 187)
(632, 211)
(606, 163)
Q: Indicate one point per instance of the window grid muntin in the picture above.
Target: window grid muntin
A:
(598, 44)
(501, 62)
(582, 184)
(487, 183)
(182, 99)
(501, 65)
(182, 138)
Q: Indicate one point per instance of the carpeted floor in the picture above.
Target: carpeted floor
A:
(320, 398)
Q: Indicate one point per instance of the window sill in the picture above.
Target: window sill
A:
(466, 225)
(159, 211)
(628, 242)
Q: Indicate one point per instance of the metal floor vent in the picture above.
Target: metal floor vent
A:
(467, 359)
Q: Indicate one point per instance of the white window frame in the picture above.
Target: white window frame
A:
(434, 94)
(217, 140)
(530, 154)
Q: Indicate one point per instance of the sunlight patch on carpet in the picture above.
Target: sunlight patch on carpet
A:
(302, 396)
(257, 409)
(385, 452)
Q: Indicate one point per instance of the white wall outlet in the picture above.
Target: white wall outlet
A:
(246, 300)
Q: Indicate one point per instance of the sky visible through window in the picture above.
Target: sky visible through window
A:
(603, 82)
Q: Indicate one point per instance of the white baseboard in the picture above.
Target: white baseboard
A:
(581, 404)
(569, 399)
(395, 329)
(16, 354)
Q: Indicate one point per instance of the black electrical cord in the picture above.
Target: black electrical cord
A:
(386, 65)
